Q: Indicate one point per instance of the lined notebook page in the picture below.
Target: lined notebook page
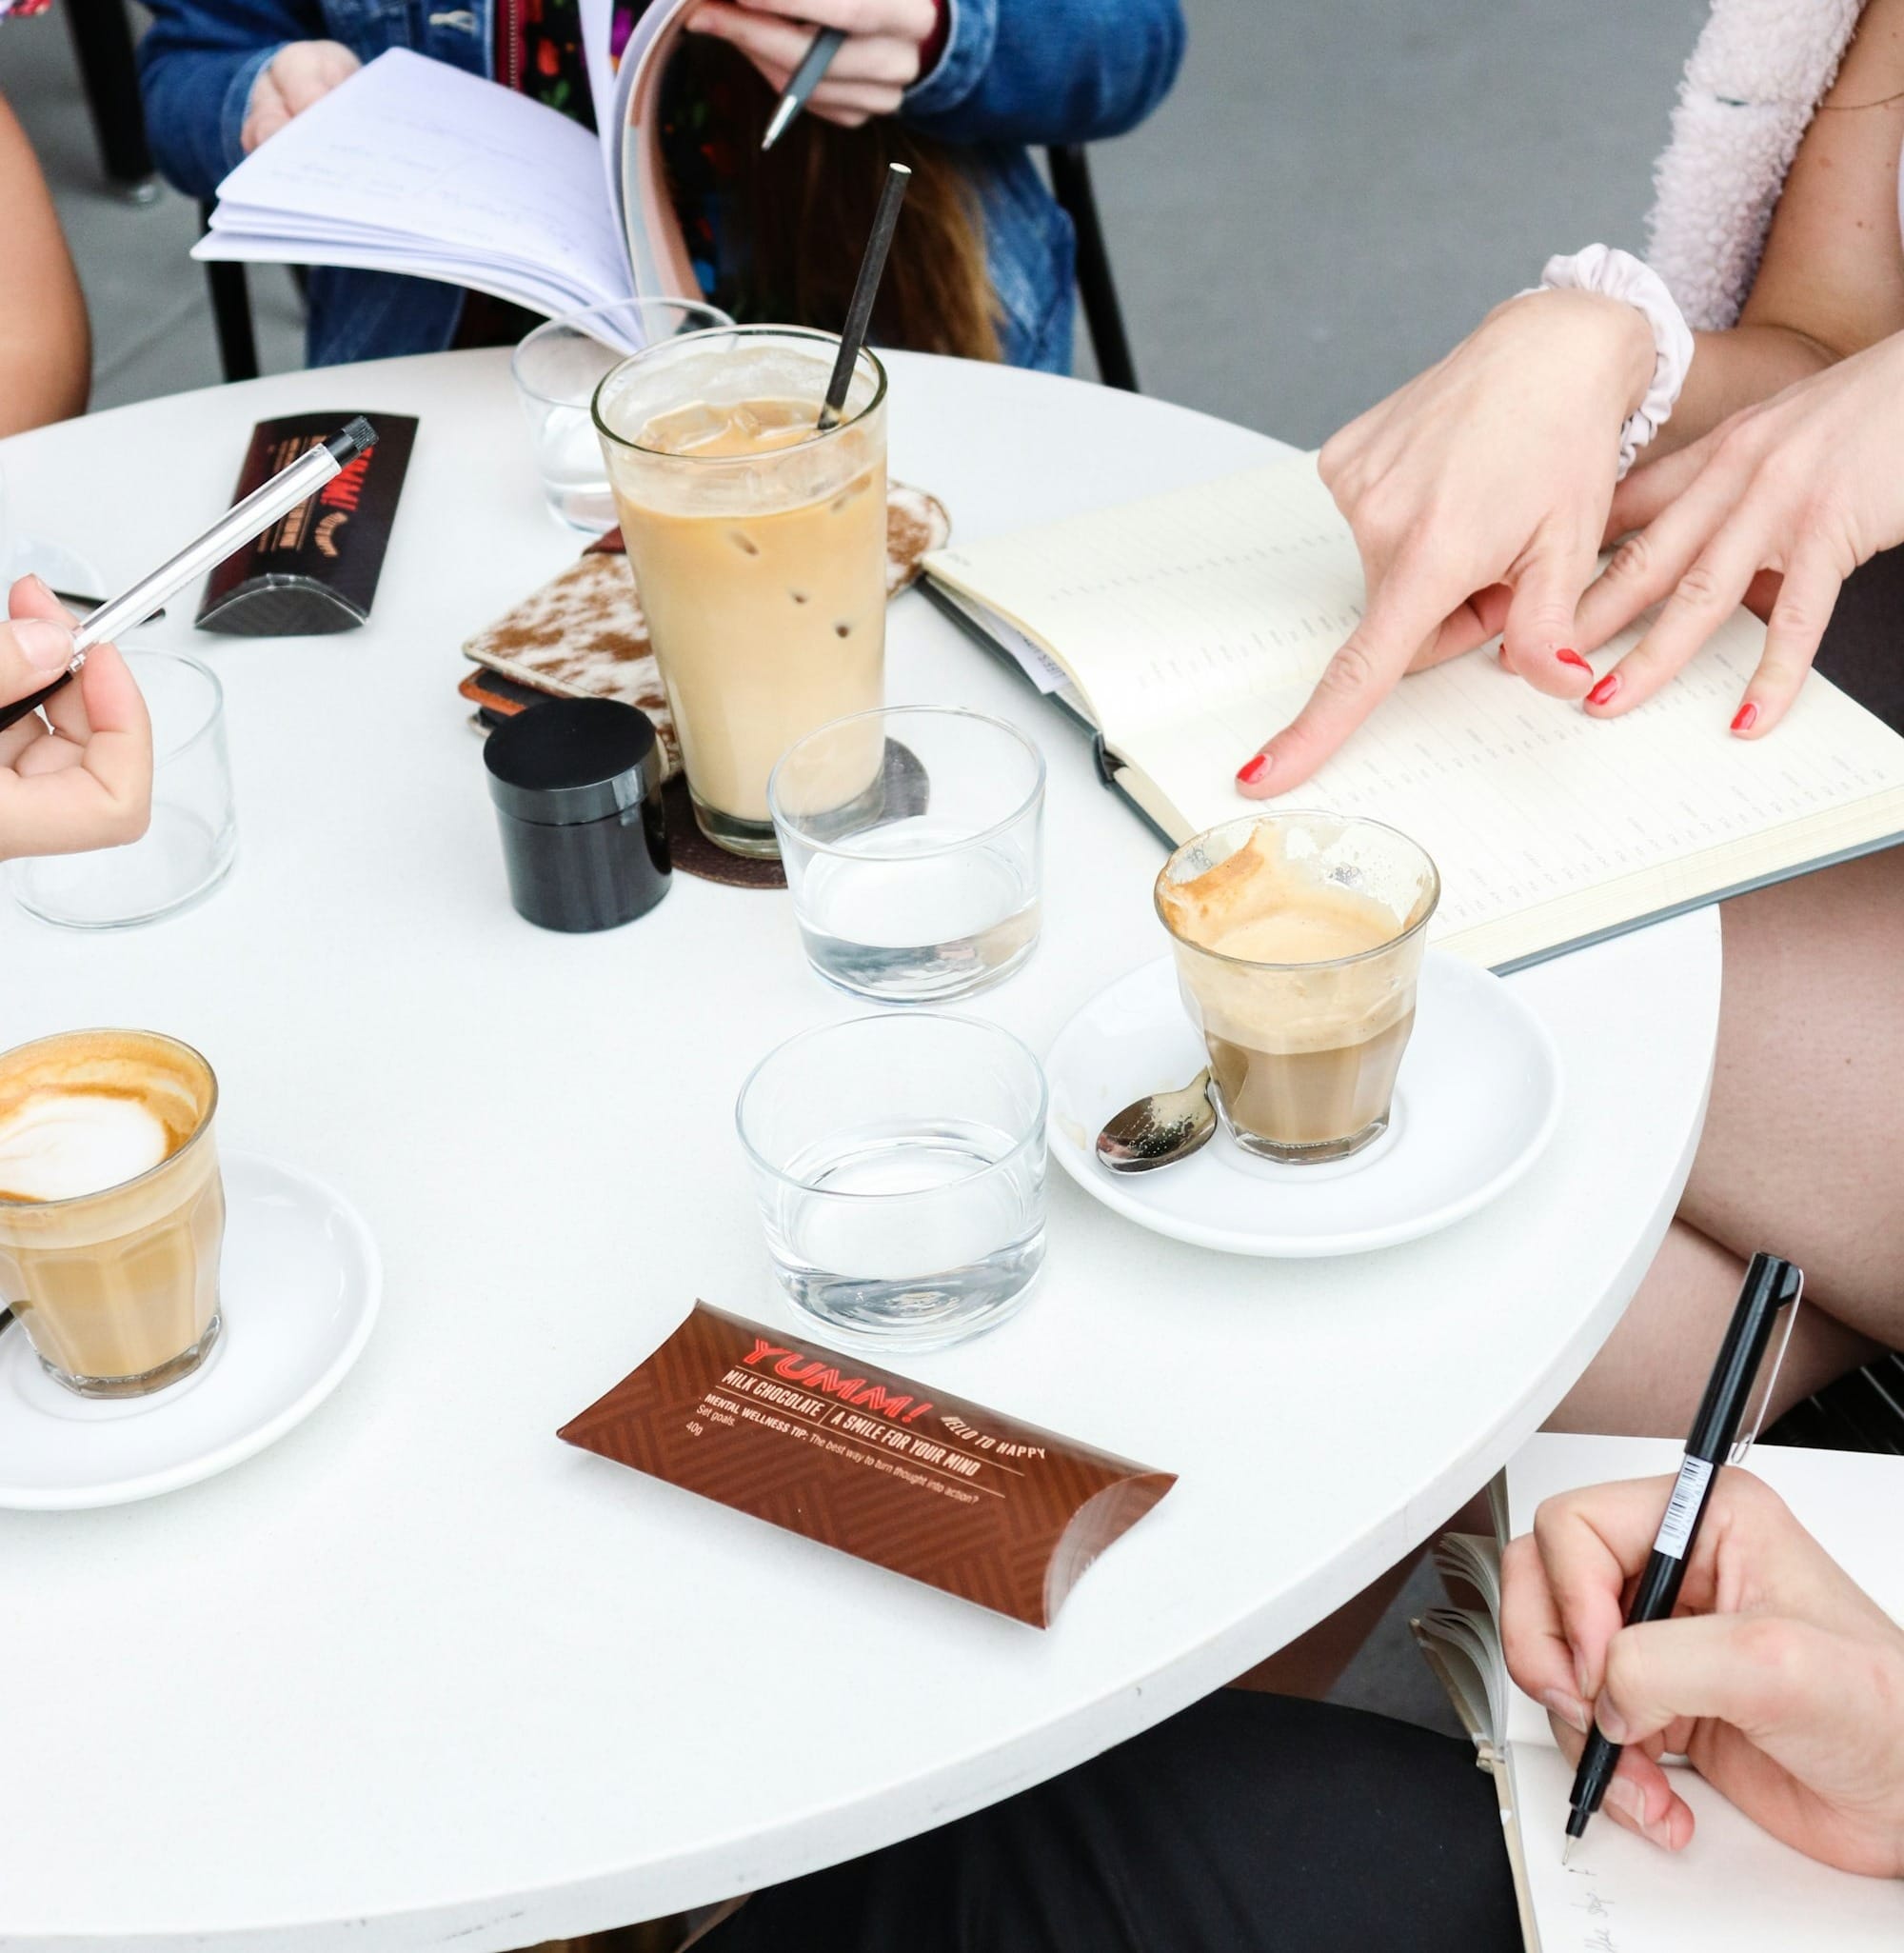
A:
(1196, 624)
(1734, 1887)
(411, 165)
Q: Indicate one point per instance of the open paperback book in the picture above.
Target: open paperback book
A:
(417, 167)
(1734, 1886)
(1188, 627)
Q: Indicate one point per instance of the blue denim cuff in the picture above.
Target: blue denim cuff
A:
(969, 40)
(237, 103)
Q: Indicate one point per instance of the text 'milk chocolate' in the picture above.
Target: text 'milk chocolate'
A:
(315, 569)
(930, 1486)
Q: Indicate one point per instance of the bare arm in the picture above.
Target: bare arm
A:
(46, 350)
(1832, 280)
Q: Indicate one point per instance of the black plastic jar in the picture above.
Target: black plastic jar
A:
(577, 786)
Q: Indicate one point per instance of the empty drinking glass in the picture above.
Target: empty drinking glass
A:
(556, 369)
(923, 885)
(898, 1162)
(188, 848)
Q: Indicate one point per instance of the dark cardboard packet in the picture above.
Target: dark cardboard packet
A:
(314, 570)
(932, 1486)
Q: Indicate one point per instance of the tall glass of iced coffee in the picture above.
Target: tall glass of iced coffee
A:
(1299, 941)
(757, 543)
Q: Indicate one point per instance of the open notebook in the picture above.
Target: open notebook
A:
(1735, 1889)
(1190, 627)
(414, 166)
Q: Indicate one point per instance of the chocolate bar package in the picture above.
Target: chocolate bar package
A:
(930, 1486)
(315, 569)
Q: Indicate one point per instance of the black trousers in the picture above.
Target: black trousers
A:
(1250, 1824)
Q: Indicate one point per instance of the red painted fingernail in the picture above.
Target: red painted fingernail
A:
(1574, 658)
(1746, 718)
(1252, 770)
(1604, 691)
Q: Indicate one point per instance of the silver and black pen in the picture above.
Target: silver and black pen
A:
(804, 79)
(238, 525)
(1740, 1384)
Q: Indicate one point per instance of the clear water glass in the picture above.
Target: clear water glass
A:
(898, 1162)
(556, 369)
(193, 838)
(923, 885)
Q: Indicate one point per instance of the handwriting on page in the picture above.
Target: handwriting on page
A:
(1594, 1911)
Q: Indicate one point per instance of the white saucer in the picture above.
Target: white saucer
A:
(299, 1289)
(1477, 1103)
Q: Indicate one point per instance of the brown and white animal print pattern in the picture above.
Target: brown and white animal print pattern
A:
(582, 634)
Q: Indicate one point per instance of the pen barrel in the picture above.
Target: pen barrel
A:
(815, 62)
(1653, 1600)
(236, 528)
(1658, 1590)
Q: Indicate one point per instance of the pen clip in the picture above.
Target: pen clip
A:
(1768, 1366)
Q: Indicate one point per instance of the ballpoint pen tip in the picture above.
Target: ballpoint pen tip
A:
(788, 108)
(1566, 1851)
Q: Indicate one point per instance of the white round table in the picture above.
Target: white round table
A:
(421, 1674)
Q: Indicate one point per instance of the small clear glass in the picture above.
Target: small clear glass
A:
(923, 885)
(898, 1162)
(1303, 1054)
(556, 369)
(193, 838)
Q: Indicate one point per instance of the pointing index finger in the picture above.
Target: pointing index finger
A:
(1405, 611)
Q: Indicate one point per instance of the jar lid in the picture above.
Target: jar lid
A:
(571, 760)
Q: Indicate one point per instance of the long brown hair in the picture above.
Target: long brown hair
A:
(807, 205)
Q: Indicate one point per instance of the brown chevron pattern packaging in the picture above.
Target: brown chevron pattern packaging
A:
(871, 1463)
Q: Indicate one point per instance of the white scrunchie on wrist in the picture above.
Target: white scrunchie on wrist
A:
(1620, 274)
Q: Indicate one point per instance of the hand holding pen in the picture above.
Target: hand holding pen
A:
(846, 61)
(1743, 1648)
(1780, 1679)
(83, 776)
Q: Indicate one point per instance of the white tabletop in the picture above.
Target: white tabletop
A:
(421, 1674)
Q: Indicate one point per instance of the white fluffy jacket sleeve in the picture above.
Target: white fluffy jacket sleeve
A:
(1753, 81)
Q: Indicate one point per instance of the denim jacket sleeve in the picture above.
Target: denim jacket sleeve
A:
(1048, 70)
(196, 65)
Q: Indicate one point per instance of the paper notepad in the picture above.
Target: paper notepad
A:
(413, 166)
(1735, 1887)
(1192, 626)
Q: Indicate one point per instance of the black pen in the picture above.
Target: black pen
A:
(1766, 1306)
(805, 78)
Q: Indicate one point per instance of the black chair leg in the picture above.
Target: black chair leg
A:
(1071, 185)
(102, 44)
(231, 315)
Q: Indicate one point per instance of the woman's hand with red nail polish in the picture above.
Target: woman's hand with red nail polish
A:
(1779, 1678)
(1785, 499)
(1477, 495)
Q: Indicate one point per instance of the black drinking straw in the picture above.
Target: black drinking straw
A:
(865, 289)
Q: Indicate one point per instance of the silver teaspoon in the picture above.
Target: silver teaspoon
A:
(1159, 1130)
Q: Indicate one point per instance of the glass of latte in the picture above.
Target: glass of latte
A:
(1299, 941)
(759, 548)
(111, 1211)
